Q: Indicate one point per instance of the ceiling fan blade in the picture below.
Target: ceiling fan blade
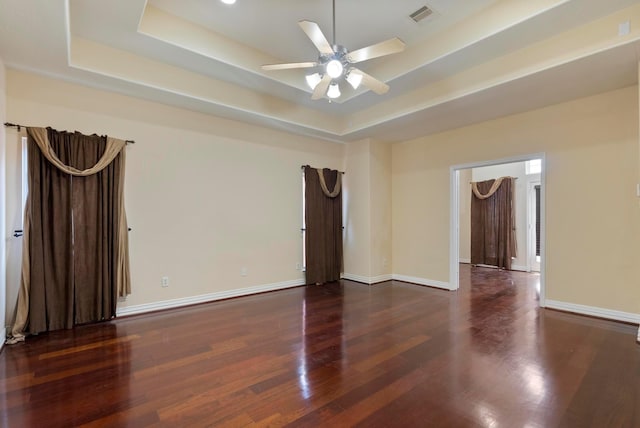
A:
(387, 47)
(289, 65)
(371, 82)
(314, 33)
(321, 88)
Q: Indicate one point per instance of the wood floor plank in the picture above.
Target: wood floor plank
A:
(94, 345)
(340, 354)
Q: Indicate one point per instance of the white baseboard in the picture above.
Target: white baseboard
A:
(6, 331)
(381, 278)
(638, 338)
(356, 278)
(466, 261)
(203, 298)
(513, 267)
(594, 311)
(422, 281)
(367, 279)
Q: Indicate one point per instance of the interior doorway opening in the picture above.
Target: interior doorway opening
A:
(528, 204)
(533, 226)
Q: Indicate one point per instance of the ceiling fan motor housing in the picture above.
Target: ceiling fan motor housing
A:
(340, 54)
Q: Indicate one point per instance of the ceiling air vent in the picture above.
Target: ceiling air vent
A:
(421, 14)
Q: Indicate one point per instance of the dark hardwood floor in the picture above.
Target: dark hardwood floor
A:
(343, 354)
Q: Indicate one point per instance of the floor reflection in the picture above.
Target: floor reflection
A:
(303, 380)
(505, 358)
(493, 297)
(321, 348)
(88, 366)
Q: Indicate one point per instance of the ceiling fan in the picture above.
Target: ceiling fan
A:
(335, 62)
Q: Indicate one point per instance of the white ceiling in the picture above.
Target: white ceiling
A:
(358, 23)
(472, 60)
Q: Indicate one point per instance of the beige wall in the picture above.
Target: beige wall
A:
(367, 243)
(205, 196)
(3, 234)
(592, 222)
(464, 221)
(357, 218)
(381, 201)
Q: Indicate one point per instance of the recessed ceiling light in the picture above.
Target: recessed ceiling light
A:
(228, 1)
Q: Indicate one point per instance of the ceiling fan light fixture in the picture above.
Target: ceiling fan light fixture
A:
(334, 91)
(228, 1)
(354, 79)
(313, 80)
(334, 68)
(334, 63)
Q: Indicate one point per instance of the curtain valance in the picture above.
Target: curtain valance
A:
(113, 148)
(494, 188)
(323, 184)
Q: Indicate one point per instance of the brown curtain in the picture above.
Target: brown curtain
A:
(323, 224)
(493, 240)
(75, 258)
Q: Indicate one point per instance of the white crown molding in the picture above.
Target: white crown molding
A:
(594, 311)
(204, 298)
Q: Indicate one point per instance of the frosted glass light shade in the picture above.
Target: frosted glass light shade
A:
(334, 68)
(228, 1)
(354, 79)
(333, 91)
(313, 80)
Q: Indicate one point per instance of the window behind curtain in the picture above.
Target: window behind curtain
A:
(304, 226)
(24, 178)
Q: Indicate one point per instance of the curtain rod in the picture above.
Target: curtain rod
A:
(15, 125)
(302, 167)
(471, 182)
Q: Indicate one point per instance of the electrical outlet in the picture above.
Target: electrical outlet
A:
(244, 271)
(298, 266)
(164, 281)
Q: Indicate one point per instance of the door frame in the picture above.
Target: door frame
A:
(531, 230)
(454, 218)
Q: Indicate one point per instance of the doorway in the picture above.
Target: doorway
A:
(533, 226)
(531, 243)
